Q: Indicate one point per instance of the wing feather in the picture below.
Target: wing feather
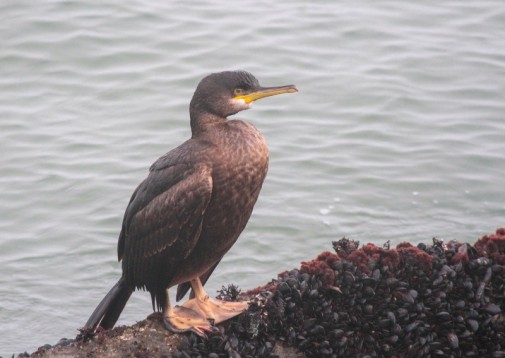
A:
(162, 224)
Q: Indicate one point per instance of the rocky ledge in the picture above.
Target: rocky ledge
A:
(437, 300)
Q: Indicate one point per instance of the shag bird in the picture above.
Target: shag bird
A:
(191, 208)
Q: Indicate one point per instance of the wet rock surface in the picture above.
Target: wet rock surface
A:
(437, 300)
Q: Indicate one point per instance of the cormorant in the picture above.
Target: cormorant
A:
(191, 208)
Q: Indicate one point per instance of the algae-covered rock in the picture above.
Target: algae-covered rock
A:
(439, 300)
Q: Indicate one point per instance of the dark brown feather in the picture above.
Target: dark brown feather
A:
(163, 231)
(195, 202)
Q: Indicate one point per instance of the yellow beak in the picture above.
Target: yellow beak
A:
(266, 92)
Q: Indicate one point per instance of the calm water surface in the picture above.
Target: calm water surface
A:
(397, 134)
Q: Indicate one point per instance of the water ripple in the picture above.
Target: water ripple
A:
(396, 133)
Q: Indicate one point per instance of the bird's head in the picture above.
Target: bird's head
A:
(226, 93)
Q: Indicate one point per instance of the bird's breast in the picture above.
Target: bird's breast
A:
(239, 163)
(240, 167)
(244, 164)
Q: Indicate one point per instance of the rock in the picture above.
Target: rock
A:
(423, 300)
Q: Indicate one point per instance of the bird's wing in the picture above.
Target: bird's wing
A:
(163, 223)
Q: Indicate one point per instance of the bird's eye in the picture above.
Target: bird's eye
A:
(238, 91)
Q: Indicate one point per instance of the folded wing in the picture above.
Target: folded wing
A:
(162, 224)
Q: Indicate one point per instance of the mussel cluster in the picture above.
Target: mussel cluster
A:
(410, 301)
(442, 300)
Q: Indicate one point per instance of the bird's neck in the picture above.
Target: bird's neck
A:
(203, 121)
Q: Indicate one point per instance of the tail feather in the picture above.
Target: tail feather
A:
(108, 310)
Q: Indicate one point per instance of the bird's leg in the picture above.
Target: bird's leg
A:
(183, 319)
(214, 310)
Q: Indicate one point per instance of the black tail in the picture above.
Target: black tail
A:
(108, 310)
